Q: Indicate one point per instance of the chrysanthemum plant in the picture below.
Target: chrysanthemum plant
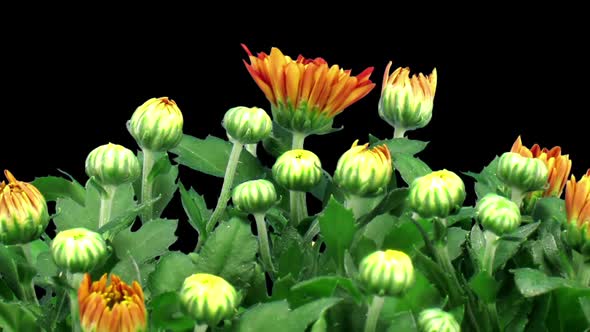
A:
(393, 247)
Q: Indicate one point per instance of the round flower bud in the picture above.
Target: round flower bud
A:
(247, 125)
(112, 164)
(78, 250)
(23, 211)
(157, 124)
(208, 299)
(387, 272)
(256, 196)
(298, 170)
(364, 172)
(497, 214)
(436, 320)
(437, 194)
(523, 173)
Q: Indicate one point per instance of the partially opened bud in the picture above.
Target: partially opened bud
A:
(522, 173)
(112, 164)
(247, 125)
(498, 214)
(298, 170)
(157, 124)
(208, 299)
(256, 196)
(437, 194)
(389, 272)
(364, 171)
(436, 320)
(23, 211)
(78, 250)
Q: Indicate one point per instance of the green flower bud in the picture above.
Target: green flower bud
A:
(524, 174)
(247, 125)
(387, 272)
(436, 320)
(364, 172)
(157, 124)
(497, 214)
(23, 212)
(112, 164)
(78, 250)
(298, 170)
(256, 196)
(437, 194)
(208, 299)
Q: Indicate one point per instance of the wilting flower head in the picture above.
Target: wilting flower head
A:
(298, 170)
(436, 320)
(558, 165)
(406, 102)
(437, 194)
(116, 307)
(388, 272)
(23, 211)
(577, 207)
(364, 171)
(157, 124)
(306, 94)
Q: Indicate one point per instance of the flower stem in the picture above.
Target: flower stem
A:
(263, 242)
(492, 241)
(373, 313)
(298, 203)
(201, 328)
(228, 179)
(146, 184)
(314, 229)
(74, 282)
(517, 196)
(399, 132)
(28, 291)
(106, 205)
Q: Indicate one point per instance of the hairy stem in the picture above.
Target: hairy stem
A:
(373, 313)
(263, 243)
(146, 184)
(106, 205)
(399, 132)
(492, 241)
(298, 203)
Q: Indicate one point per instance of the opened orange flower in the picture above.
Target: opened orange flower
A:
(558, 165)
(577, 206)
(306, 94)
(116, 307)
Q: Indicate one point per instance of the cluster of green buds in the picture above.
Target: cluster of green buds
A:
(157, 124)
(208, 299)
(112, 165)
(436, 320)
(522, 174)
(78, 250)
(387, 273)
(497, 214)
(23, 211)
(247, 125)
(438, 194)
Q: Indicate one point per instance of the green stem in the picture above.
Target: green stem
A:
(583, 274)
(28, 291)
(200, 328)
(146, 184)
(314, 229)
(399, 132)
(373, 313)
(106, 206)
(263, 242)
(492, 241)
(228, 179)
(298, 203)
(517, 196)
(74, 282)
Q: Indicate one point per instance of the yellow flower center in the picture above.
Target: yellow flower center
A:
(394, 255)
(113, 295)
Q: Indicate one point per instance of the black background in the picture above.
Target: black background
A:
(69, 86)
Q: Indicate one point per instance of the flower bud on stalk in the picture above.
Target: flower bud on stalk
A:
(498, 214)
(437, 194)
(208, 299)
(23, 211)
(112, 165)
(247, 125)
(522, 174)
(78, 250)
(298, 170)
(157, 124)
(436, 320)
(387, 272)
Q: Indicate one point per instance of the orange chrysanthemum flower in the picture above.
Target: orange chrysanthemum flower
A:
(577, 207)
(117, 307)
(306, 94)
(558, 165)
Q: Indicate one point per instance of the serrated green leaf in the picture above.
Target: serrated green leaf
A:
(455, 239)
(210, 156)
(278, 142)
(166, 313)
(130, 270)
(257, 291)
(337, 229)
(409, 167)
(421, 295)
(230, 252)
(507, 249)
(281, 287)
(170, 272)
(403, 321)
(379, 228)
(151, 240)
(549, 209)
(393, 201)
(71, 214)
(405, 236)
(322, 287)
(570, 311)
(484, 286)
(15, 270)
(53, 187)
(403, 145)
(195, 207)
(532, 282)
(17, 317)
(487, 181)
(164, 176)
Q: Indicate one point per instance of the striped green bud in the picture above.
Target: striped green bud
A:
(298, 170)
(23, 211)
(255, 196)
(112, 164)
(78, 250)
(436, 320)
(389, 272)
(364, 172)
(157, 124)
(437, 194)
(497, 214)
(522, 173)
(208, 299)
(247, 125)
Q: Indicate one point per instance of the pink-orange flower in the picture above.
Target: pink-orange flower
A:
(117, 307)
(306, 94)
(558, 165)
(577, 207)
